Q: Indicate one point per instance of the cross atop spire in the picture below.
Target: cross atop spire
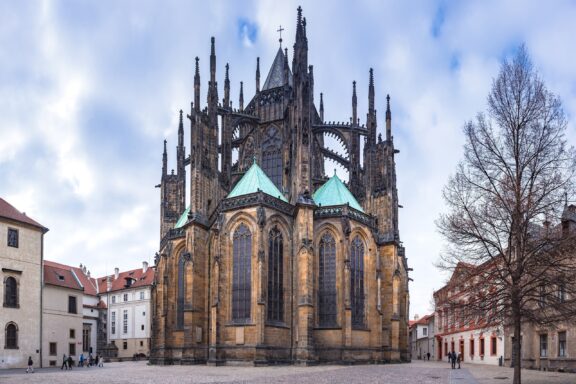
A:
(280, 29)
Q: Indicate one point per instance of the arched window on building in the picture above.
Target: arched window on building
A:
(272, 155)
(357, 281)
(395, 295)
(327, 308)
(241, 275)
(11, 336)
(10, 292)
(275, 276)
(181, 297)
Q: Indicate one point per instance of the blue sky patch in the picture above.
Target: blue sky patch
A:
(247, 31)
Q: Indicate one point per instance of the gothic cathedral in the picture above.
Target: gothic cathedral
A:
(273, 261)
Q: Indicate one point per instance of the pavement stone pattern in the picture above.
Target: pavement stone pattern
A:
(419, 372)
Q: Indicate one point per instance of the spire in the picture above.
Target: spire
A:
(165, 161)
(299, 23)
(322, 107)
(197, 87)
(212, 61)
(371, 92)
(257, 74)
(354, 104)
(227, 88)
(212, 89)
(241, 101)
(181, 131)
(388, 119)
(285, 66)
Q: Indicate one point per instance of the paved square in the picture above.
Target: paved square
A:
(417, 372)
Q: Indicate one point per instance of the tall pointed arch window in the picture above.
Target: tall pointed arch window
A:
(275, 276)
(357, 281)
(241, 275)
(181, 297)
(272, 155)
(11, 336)
(327, 281)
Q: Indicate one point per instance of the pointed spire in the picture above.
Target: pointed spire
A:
(321, 106)
(388, 119)
(299, 22)
(354, 104)
(212, 62)
(241, 101)
(257, 74)
(165, 160)
(197, 86)
(227, 88)
(181, 130)
(371, 92)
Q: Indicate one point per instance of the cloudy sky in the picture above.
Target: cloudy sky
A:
(88, 91)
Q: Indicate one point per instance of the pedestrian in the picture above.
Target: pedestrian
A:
(428, 356)
(101, 359)
(81, 360)
(30, 365)
(70, 362)
(459, 359)
(64, 362)
(90, 360)
(96, 359)
(453, 359)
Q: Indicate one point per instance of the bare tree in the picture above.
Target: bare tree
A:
(505, 202)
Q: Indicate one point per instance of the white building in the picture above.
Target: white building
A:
(422, 337)
(127, 297)
(21, 254)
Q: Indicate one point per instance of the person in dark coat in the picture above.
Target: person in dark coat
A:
(64, 362)
(453, 359)
(70, 362)
(30, 365)
(428, 356)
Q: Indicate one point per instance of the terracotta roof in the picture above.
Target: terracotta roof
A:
(420, 321)
(62, 277)
(139, 279)
(9, 212)
(87, 283)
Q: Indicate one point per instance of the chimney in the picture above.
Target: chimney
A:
(144, 266)
(108, 283)
(116, 273)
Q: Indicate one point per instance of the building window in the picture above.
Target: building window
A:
(12, 237)
(113, 324)
(272, 155)
(471, 347)
(275, 276)
(242, 268)
(143, 313)
(357, 281)
(424, 331)
(542, 298)
(10, 292)
(395, 295)
(125, 321)
(493, 347)
(181, 290)
(72, 349)
(125, 297)
(544, 345)
(141, 343)
(72, 333)
(562, 344)
(113, 299)
(86, 338)
(142, 295)
(482, 347)
(561, 292)
(72, 304)
(327, 281)
(53, 349)
(125, 345)
(142, 327)
(11, 336)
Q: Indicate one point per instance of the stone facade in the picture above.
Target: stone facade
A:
(21, 253)
(277, 274)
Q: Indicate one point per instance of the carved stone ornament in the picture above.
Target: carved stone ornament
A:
(261, 215)
(345, 221)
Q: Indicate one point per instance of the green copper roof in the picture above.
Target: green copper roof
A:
(253, 180)
(183, 218)
(334, 192)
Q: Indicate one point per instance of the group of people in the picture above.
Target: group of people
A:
(68, 362)
(454, 359)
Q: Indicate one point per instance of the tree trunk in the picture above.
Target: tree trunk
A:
(516, 345)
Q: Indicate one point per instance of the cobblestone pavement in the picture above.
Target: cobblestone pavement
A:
(418, 372)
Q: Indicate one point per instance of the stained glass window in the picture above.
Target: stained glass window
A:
(357, 281)
(275, 276)
(327, 281)
(272, 156)
(241, 279)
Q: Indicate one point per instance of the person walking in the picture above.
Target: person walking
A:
(428, 356)
(64, 362)
(81, 360)
(30, 365)
(459, 359)
(70, 362)
(453, 359)
(101, 360)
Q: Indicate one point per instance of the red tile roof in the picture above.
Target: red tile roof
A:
(423, 320)
(140, 279)
(62, 277)
(9, 212)
(85, 282)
